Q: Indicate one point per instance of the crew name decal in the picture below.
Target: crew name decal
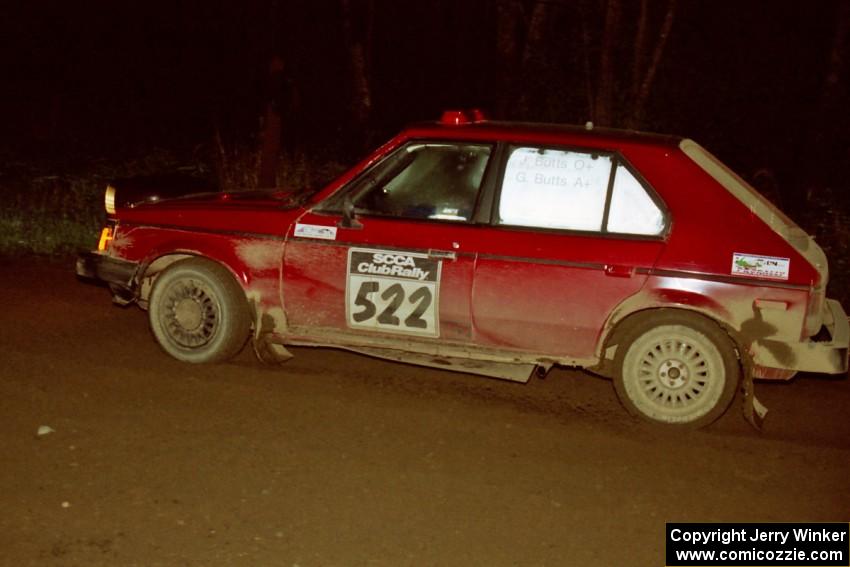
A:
(755, 266)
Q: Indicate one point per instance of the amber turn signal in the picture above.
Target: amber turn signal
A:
(105, 237)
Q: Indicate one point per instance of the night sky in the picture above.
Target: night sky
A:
(744, 78)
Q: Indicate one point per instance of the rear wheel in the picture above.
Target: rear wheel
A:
(676, 368)
(198, 313)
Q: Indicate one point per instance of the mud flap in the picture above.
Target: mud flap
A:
(267, 348)
(268, 351)
(754, 410)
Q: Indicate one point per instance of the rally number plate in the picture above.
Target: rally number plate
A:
(390, 291)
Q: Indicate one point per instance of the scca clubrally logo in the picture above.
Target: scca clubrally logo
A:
(413, 267)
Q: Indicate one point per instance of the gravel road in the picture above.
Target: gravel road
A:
(340, 459)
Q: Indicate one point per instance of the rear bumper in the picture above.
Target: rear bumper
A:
(827, 357)
(120, 275)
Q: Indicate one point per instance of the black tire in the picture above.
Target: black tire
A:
(676, 368)
(198, 312)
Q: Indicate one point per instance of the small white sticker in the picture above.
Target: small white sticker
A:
(315, 231)
(754, 266)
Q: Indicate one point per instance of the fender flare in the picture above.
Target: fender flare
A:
(635, 309)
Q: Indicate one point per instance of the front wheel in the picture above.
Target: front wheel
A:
(676, 368)
(198, 313)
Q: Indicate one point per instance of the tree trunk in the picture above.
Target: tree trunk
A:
(271, 137)
(585, 59)
(836, 66)
(639, 50)
(508, 14)
(361, 102)
(532, 52)
(604, 103)
(642, 96)
(826, 140)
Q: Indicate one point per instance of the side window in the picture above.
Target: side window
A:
(425, 181)
(554, 189)
(574, 190)
(632, 210)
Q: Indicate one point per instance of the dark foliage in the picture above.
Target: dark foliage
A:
(763, 84)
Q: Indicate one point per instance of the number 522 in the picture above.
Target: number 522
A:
(394, 306)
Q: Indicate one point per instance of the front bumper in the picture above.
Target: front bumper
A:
(827, 357)
(120, 275)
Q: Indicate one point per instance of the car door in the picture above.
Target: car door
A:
(574, 232)
(384, 258)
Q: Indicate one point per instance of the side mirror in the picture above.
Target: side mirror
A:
(348, 216)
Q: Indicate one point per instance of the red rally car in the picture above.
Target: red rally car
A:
(494, 248)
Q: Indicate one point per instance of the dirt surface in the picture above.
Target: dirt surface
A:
(339, 459)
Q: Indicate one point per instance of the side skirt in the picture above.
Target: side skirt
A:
(504, 370)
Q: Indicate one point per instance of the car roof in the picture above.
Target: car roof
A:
(543, 132)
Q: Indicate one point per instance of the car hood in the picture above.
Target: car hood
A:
(279, 199)
(180, 190)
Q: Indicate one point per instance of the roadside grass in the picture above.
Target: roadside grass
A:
(56, 208)
(53, 209)
(52, 216)
(42, 233)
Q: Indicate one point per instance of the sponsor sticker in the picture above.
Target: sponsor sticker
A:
(755, 266)
(315, 231)
(391, 291)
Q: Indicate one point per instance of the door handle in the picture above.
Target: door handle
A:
(619, 271)
(442, 255)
